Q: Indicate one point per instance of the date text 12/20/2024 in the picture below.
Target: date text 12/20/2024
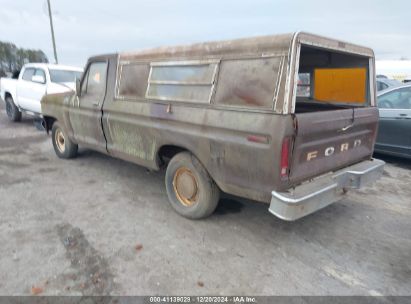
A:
(203, 299)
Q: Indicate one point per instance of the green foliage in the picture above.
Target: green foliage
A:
(13, 58)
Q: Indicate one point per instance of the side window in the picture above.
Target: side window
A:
(304, 85)
(398, 99)
(187, 81)
(247, 82)
(94, 84)
(28, 74)
(40, 72)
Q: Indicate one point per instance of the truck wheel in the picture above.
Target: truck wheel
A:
(63, 146)
(190, 189)
(13, 113)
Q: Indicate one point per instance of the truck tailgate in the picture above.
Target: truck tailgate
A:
(329, 140)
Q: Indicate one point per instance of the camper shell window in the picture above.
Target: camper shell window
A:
(133, 80)
(330, 79)
(248, 82)
(182, 81)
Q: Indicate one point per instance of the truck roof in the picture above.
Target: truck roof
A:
(274, 44)
(54, 66)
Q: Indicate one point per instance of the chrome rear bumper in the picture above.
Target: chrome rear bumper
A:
(323, 191)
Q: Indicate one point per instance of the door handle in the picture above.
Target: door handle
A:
(95, 104)
(403, 114)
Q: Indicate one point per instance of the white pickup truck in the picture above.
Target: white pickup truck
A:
(35, 80)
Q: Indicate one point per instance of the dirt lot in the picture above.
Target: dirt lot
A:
(97, 225)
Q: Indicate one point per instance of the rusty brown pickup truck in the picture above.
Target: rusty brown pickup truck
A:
(288, 120)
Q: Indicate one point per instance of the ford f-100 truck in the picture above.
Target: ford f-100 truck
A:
(35, 80)
(289, 120)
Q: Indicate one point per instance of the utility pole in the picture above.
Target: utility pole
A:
(52, 33)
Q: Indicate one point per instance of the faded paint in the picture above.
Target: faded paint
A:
(135, 142)
(240, 146)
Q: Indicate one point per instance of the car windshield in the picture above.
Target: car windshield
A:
(61, 76)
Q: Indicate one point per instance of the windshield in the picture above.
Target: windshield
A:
(61, 76)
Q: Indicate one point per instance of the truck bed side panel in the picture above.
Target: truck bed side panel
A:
(240, 150)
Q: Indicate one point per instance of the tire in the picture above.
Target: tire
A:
(63, 146)
(13, 113)
(190, 189)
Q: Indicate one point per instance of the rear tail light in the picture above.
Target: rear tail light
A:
(285, 155)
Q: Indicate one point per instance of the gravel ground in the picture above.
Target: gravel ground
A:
(96, 225)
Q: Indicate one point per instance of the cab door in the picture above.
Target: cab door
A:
(394, 134)
(86, 110)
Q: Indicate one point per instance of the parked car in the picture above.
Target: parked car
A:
(385, 83)
(394, 132)
(34, 81)
(226, 116)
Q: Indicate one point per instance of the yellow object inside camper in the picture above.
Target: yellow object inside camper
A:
(345, 85)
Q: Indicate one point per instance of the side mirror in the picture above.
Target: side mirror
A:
(78, 87)
(38, 79)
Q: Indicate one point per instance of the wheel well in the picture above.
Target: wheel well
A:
(7, 94)
(48, 122)
(167, 152)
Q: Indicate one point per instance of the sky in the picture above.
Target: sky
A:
(90, 27)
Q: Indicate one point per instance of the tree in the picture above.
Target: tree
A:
(13, 58)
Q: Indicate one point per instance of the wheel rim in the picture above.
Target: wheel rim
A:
(9, 110)
(60, 140)
(185, 186)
